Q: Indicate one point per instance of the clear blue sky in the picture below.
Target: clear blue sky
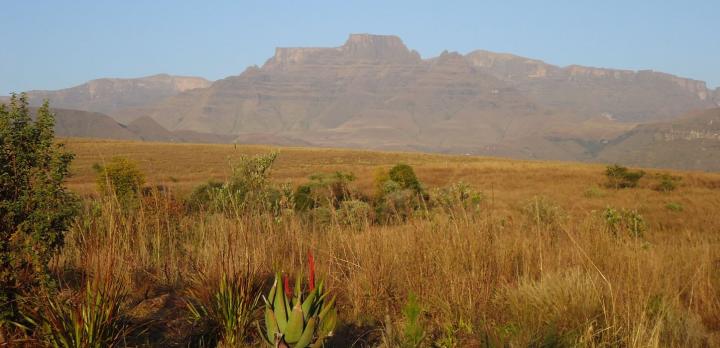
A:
(55, 44)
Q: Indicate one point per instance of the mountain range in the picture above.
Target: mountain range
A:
(374, 92)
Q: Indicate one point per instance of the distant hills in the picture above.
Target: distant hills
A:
(374, 92)
(87, 124)
(689, 142)
(109, 95)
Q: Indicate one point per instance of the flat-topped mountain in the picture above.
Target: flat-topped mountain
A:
(375, 92)
(111, 94)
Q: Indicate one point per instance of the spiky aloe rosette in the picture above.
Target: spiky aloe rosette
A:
(299, 320)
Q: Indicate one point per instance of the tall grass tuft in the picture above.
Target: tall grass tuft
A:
(92, 320)
(226, 306)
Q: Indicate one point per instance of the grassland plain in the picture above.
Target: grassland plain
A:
(535, 264)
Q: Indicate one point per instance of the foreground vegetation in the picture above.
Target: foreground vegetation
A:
(443, 252)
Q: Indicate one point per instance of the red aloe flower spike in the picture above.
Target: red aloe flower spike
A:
(311, 276)
(286, 281)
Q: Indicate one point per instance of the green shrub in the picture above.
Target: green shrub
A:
(398, 193)
(410, 332)
(35, 208)
(404, 175)
(397, 205)
(248, 190)
(413, 331)
(303, 198)
(667, 182)
(122, 179)
(457, 195)
(354, 213)
(202, 196)
(627, 221)
(543, 212)
(324, 189)
(620, 177)
(321, 216)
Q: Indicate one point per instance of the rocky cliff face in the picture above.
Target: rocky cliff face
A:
(358, 49)
(635, 96)
(110, 95)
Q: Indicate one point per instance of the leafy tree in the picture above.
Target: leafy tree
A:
(35, 207)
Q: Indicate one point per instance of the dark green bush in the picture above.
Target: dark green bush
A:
(324, 189)
(202, 196)
(35, 208)
(398, 193)
(620, 177)
(404, 175)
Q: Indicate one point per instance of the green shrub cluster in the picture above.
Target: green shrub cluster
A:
(667, 182)
(35, 208)
(249, 189)
(457, 196)
(621, 177)
(625, 221)
(324, 190)
(398, 193)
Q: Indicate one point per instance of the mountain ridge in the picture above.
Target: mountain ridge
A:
(374, 92)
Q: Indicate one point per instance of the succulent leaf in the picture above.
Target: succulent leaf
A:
(328, 323)
(307, 306)
(271, 327)
(279, 307)
(295, 325)
(307, 335)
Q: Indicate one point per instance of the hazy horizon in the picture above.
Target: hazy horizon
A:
(56, 45)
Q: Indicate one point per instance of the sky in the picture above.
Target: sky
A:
(57, 44)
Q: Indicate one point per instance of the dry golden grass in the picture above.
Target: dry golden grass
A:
(500, 274)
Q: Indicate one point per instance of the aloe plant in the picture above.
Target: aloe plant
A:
(300, 319)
